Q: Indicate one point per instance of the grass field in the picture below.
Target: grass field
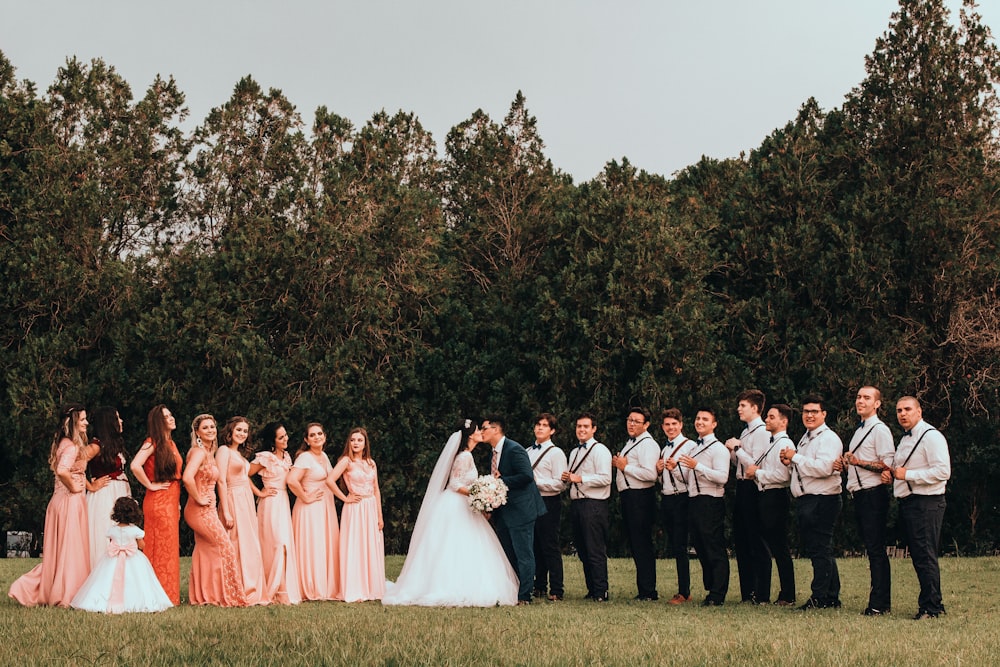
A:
(572, 632)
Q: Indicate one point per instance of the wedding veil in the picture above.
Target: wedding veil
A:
(435, 488)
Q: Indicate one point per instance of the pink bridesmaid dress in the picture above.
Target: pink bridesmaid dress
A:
(215, 575)
(66, 547)
(274, 520)
(244, 534)
(316, 532)
(362, 574)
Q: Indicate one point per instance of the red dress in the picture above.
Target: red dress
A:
(162, 515)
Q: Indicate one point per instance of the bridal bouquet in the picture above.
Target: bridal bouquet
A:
(487, 493)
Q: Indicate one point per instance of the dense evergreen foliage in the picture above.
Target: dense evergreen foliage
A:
(353, 276)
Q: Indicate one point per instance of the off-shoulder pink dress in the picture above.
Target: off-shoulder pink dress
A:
(362, 550)
(274, 521)
(316, 532)
(66, 547)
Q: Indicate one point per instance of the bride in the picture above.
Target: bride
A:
(455, 558)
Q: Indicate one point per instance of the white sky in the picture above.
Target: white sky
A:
(661, 82)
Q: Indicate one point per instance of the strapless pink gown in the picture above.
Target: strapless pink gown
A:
(244, 534)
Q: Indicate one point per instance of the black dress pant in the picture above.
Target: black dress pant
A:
(817, 517)
(773, 505)
(590, 535)
(638, 512)
(753, 562)
(674, 514)
(548, 554)
(707, 516)
(871, 507)
(922, 517)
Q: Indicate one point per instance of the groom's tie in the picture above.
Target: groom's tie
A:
(493, 463)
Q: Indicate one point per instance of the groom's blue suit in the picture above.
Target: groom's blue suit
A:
(515, 522)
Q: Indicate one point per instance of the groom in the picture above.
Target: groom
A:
(514, 522)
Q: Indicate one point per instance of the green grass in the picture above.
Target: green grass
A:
(573, 632)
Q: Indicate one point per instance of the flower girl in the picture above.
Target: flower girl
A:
(123, 580)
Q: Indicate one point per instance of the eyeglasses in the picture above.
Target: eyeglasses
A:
(811, 412)
(634, 421)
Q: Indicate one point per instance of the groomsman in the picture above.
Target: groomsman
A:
(548, 463)
(636, 480)
(752, 560)
(674, 499)
(772, 480)
(869, 453)
(708, 465)
(589, 481)
(816, 485)
(923, 470)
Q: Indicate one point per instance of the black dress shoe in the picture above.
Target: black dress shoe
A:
(924, 614)
(647, 598)
(709, 602)
(811, 603)
(872, 611)
(538, 593)
(601, 598)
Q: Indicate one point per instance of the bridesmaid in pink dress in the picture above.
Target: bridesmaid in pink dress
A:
(66, 548)
(362, 551)
(314, 519)
(215, 574)
(274, 516)
(239, 514)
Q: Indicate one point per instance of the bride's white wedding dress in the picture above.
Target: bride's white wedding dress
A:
(455, 558)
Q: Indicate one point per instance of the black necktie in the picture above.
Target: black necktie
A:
(772, 439)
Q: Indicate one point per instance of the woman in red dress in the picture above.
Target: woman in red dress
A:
(157, 466)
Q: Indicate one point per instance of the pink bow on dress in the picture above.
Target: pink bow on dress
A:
(116, 602)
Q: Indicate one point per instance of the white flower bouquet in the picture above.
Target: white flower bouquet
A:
(487, 493)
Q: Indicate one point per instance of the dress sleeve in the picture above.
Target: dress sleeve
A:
(66, 456)
(460, 471)
(301, 462)
(137, 532)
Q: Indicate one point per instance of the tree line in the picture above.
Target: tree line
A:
(355, 276)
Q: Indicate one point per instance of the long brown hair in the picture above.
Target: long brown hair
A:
(226, 436)
(165, 466)
(69, 428)
(367, 453)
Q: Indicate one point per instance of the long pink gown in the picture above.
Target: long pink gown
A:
(274, 520)
(244, 534)
(66, 547)
(316, 532)
(215, 574)
(362, 550)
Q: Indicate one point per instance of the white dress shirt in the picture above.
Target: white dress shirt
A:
(595, 469)
(709, 477)
(771, 472)
(754, 441)
(928, 467)
(549, 469)
(812, 465)
(871, 442)
(675, 481)
(640, 467)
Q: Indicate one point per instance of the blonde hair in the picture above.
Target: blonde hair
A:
(69, 419)
(196, 439)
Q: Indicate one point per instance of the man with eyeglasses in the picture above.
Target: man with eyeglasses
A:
(816, 485)
(636, 480)
(514, 522)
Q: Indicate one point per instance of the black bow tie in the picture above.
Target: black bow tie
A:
(910, 432)
(861, 424)
(535, 446)
(581, 445)
(701, 441)
(772, 439)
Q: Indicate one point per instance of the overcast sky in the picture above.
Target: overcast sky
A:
(661, 82)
